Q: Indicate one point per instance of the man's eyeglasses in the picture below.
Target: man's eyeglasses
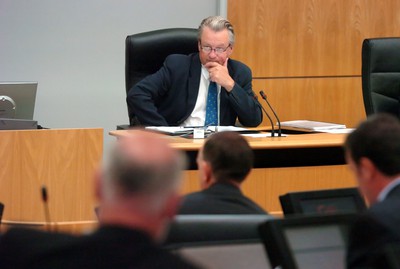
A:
(208, 49)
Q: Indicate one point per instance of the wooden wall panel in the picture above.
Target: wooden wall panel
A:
(306, 54)
(308, 37)
(265, 185)
(64, 160)
(322, 99)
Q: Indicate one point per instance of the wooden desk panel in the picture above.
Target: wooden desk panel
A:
(266, 183)
(62, 159)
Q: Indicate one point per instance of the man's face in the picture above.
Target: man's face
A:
(217, 41)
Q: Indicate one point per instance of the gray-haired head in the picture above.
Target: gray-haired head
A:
(143, 164)
(217, 23)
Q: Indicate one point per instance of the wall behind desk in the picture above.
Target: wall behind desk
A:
(306, 54)
(76, 51)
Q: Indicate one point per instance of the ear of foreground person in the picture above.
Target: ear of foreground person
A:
(138, 193)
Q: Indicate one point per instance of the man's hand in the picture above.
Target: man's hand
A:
(219, 74)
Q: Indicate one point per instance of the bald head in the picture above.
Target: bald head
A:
(143, 163)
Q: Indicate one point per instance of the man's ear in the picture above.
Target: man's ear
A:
(367, 168)
(207, 174)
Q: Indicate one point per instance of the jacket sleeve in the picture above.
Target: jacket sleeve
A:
(242, 98)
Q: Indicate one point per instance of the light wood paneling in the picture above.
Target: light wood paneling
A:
(63, 160)
(308, 37)
(265, 185)
(317, 42)
(323, 99)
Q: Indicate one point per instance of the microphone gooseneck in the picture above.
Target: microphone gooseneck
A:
(264, 96)
(46, 207)
(265, 112)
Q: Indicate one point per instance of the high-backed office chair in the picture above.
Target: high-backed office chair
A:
(146, 52)
(381, 75)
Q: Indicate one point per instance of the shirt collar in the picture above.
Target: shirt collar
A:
(385, 192)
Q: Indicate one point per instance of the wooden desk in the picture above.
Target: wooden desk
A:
(62, 159)
(282, 164)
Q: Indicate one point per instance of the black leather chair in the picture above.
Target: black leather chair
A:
(381, 75)
(146, 52)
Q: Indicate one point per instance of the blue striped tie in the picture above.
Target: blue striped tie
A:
(212, 105)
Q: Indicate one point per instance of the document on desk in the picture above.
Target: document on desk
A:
(172, 130)
(308, 125)
(181, 130)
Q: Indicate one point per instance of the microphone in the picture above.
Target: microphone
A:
(273, 111)
(265, 112)
(46, 207)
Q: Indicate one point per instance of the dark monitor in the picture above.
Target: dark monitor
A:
(331, 201)
(307, 242)
(17, 100)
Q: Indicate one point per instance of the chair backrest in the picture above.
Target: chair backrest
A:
(381, 75)
(145, 52)
(219, 241)
(189, 229)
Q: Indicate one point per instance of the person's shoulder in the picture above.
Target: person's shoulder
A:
(180, 58)
(239, 67)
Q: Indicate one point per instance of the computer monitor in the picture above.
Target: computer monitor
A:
(226, 255)
(307, 242)
(332, 201)
(17, 100)
(219, 241)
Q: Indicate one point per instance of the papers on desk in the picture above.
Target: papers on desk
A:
(171, 130)
(311, 126)
(180, 130)
(260, 135)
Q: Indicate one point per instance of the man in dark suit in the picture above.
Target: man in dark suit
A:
(177, 94)
(373, 154)
(138, 195)
(224, 162)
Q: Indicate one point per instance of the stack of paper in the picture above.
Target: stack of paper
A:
(316, 126)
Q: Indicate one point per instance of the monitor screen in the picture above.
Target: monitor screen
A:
(307, 241)
(320, 246)
(332, 201)
(17, 100)
(228, 255)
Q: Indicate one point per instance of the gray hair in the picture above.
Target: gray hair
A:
(128, 176)
(217, 23)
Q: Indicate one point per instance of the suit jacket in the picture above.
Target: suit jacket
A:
(219, 199)
(168, 97)
(109, 247)
(374, 230)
